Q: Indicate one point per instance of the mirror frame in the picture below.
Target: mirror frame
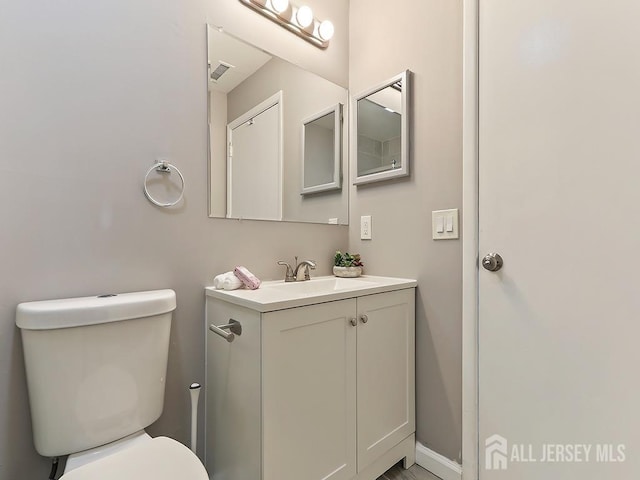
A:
(405, 134)
(336, 183)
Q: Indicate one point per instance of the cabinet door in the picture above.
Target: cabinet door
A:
(386, 372)
(309, 396)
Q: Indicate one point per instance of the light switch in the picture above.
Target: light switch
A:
(444, 224)
(449, 218)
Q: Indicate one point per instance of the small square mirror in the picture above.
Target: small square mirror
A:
(381, 131)
(322, 151)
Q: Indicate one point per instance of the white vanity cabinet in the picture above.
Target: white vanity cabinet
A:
(319, 391)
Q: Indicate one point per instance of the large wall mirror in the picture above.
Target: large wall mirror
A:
(381, 131)
(276, 137)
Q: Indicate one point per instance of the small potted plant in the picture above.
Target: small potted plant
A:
(347, 265)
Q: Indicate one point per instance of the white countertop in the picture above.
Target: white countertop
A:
(278, 295)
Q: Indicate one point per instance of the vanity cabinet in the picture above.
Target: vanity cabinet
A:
(319, 391)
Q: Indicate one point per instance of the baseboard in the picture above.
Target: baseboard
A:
(437, 464)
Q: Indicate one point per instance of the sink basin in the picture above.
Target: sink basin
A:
(320, 285)
(278, 295)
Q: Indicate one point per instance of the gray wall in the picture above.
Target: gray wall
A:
(90, 94)
(425, 36)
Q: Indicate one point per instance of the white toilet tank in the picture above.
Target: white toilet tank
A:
(95, 367)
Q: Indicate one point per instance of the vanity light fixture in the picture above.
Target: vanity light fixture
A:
(304, 17)
(280, 6)
(299, 20)
(325, 30)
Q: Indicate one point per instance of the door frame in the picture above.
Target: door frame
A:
(470, 242)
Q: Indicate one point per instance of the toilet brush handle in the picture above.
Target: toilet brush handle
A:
(194, 390)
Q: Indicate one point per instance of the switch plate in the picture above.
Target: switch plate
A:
(444, 224)
(365, 227)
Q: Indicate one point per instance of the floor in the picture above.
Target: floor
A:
(414, 473)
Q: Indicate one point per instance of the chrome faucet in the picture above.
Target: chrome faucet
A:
(305, 265)
(293, 274)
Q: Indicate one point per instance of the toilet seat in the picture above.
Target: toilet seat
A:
(160, 458)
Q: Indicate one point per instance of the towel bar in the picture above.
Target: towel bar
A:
(233, 326)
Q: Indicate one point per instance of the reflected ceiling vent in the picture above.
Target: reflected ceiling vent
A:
(220, 70)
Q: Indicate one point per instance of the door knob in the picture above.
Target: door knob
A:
(492, 262)
(353, 321)
(364, 318)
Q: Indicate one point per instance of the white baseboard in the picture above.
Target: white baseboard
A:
(437, 464)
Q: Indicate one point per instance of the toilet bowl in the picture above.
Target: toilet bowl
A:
(158, 458)
(106, 356)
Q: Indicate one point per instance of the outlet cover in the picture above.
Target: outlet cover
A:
(365, 227)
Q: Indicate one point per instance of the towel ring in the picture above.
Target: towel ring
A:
(163, 167)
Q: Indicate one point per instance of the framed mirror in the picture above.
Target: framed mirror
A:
(258, 104)
(322, 151)
(381, 131)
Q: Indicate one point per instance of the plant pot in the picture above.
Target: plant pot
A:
(347, 272)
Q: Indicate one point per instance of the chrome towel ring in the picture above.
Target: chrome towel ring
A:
(163, 167)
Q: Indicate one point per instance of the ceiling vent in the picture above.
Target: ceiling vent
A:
(220, 70)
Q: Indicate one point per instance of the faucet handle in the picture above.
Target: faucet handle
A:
(311, 265)
(288, 276)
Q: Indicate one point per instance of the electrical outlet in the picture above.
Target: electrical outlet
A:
(365, 227)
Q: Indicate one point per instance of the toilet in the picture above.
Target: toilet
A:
(96, 369)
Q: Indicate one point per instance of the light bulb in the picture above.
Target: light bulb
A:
(304, 16)
(280, 6)
(326, 30)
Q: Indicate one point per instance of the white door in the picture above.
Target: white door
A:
(254, 167)
(559, 324)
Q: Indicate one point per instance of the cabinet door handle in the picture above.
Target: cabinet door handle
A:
(353, 321)
(364, 318)
(233, 326)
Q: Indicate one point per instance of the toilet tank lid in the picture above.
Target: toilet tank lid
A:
(83, 311)
(161, 458)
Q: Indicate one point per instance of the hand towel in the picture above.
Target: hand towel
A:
(248, 278)
(231, 282)
(217, 281)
